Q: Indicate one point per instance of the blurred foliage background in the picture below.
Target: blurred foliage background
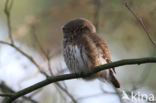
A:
(124, 35)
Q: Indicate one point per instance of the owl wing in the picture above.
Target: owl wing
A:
(100, 44)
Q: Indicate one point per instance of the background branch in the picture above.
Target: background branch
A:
(96, 15)
(46, 54)
(140, 21)
(7, 9)
(26, 55)
(67, 92)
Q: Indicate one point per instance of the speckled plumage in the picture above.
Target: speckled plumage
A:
(83, 49)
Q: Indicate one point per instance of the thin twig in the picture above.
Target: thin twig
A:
(49, 64)
(80, 75)
(140, 20)
(60, 92)
(96, 15)
(46, 54)
(67, 92)
(7, 9)
(33, 30)
(26, 55)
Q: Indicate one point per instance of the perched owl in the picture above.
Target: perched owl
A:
(84, 50)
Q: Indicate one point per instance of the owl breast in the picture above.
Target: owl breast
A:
(76, 59)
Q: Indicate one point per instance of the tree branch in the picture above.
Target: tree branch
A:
(7, 9)
(79, 75)
(8, 92)
(140, 21)
(35, 63)
(46, 54)
(26, 55)
(6, 95)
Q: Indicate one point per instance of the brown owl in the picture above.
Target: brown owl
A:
(84, 50)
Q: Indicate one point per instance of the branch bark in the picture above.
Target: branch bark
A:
(8, 92)
(79, 75)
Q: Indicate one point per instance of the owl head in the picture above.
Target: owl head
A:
(77, 27)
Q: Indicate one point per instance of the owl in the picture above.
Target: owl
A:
(83, 50)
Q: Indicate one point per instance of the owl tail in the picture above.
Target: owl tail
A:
(113, 79)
